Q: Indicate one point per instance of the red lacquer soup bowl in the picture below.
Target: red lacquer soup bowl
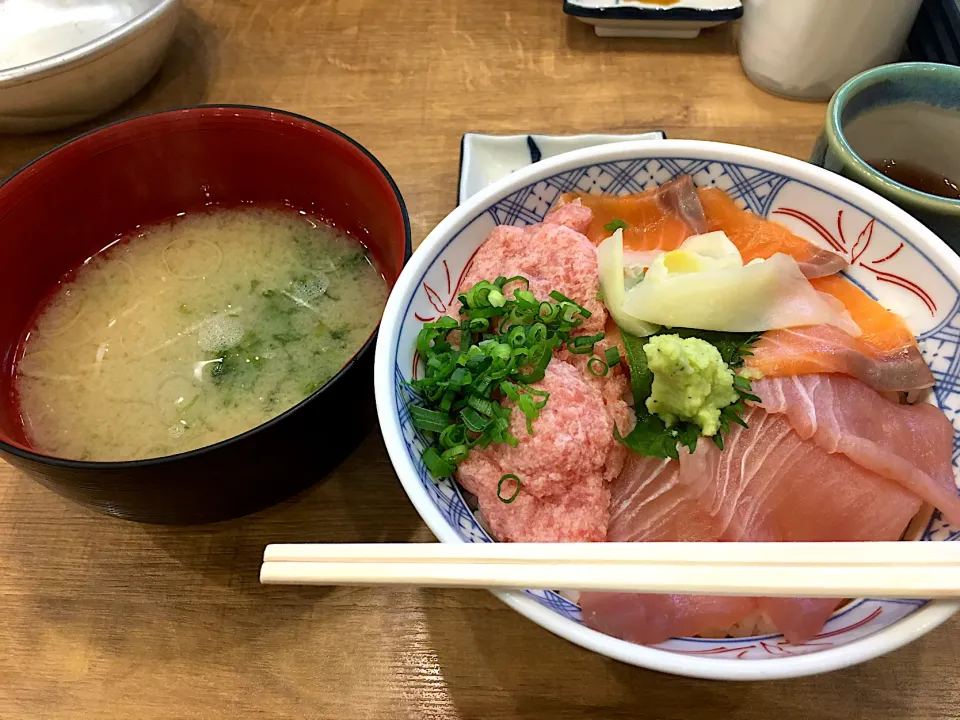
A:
(72, 202)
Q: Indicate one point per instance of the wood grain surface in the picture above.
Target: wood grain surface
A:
(101, 618)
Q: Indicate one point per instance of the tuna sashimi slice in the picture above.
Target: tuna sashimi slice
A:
(657, 219)
(798, 619)
(649, 504)
(757, 237)
(908, 444)
(827, 349)
(767, 485)
(649, 619)
(786, 489)
(790, 490)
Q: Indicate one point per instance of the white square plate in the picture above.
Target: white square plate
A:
(487, 158)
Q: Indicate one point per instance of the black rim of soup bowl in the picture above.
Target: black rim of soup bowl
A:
(263, 453)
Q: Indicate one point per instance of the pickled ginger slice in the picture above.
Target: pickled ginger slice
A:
(612, 286)
(759, 296)
(699, 253)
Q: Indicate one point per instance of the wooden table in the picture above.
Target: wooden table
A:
(101, 618)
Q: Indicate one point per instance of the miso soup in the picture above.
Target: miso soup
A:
(194, 331)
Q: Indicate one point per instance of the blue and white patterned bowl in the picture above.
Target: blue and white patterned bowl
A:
(893, 257)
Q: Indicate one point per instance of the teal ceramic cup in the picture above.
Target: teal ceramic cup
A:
(906, 112)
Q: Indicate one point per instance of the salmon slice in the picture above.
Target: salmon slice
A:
(657, 219)
(910, 445)
(885, 356)
(882, 330)
(768, 484)
(757, 237)
(826, 349)
(662, 218)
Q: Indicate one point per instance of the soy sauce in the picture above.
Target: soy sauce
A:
(918, 178)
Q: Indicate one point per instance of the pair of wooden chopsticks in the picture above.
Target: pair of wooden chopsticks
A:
(841, 570)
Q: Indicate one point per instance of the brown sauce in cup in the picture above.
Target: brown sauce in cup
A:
(918, 178)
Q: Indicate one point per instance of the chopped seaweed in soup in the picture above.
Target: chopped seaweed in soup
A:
(194, 331)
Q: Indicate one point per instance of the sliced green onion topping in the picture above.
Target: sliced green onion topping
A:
(561, 298)
(453, 435)
(515, 278)
(480, 366)
(530, 408)
(612, 356)
(517, 337)
(583, 344)
(430, 420)
(516, 489)
(615, 224)
(437, 466)
(548, 312)
(526, 299)
(597, 367)
(474, 421)
(456, 454)
(483, 406)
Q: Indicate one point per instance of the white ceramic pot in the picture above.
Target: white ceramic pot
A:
(809, 48)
